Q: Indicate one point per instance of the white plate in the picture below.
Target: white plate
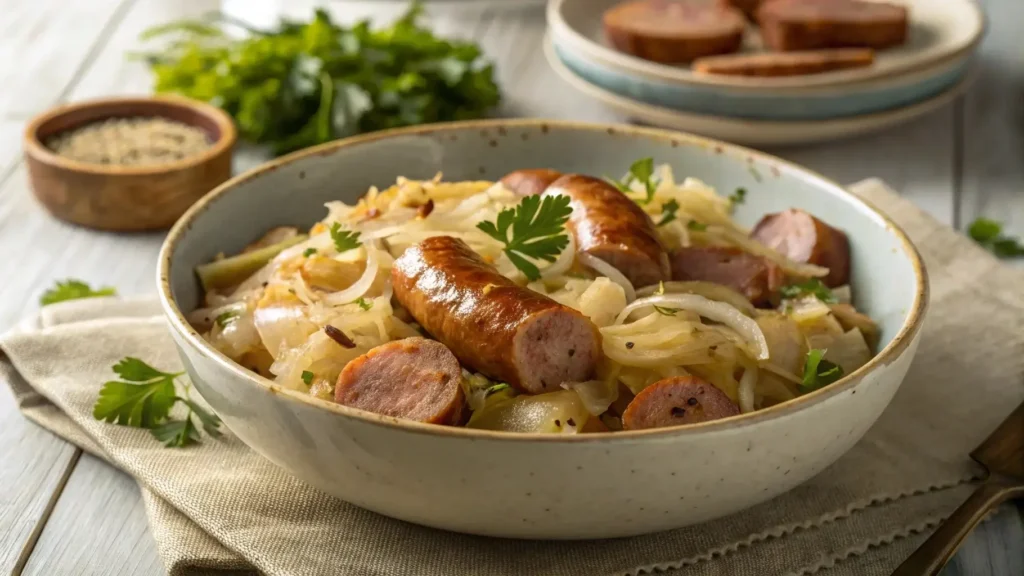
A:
(940, 29)
(754, 132)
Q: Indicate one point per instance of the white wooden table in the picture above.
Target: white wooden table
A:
(64, 512)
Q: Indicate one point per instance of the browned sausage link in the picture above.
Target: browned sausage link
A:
(753, 276)
(610, 226)
(530, 182)
(415, 378)
(493, 326)
(804, 238)
(677, 401)
(788, 25)
(673, 32)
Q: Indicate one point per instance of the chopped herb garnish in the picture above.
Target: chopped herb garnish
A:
(71, 289)
(666, 311)
(344, 240)
(696, 226)
(225, 318)
(819, 372)
(668, 212)
(496, 388)
(307, 377)
(755, 173)
(538, 231)
(143, 398)
(739, 196)
(364, 303)
(308, 252)
(641, 171)
(814, 287)
(989, 234)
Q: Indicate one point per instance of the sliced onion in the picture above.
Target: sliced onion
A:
(597, 395)
(780, 372)
(745, 392)
(717, 311)
(843, 293)
(361, 286)
(564, 261)
(709, 290)
(611, 272)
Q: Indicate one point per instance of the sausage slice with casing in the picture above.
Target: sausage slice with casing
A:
(502, 330)
(674, 31)
(803, 238)
(774, 64)
(608, 225)
(753, 276)
(677, 401)
(812, 24)
(416, 379)
(530, 182)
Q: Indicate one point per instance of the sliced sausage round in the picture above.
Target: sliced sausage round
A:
(753, 276)
(608, 225)
(677, 401)
(774, 64)
(530, 182)
(502, 330)
(414, 378)
(788, 25)
(674, 31)
(804, 238)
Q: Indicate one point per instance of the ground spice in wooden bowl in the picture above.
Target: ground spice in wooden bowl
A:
(131, 142)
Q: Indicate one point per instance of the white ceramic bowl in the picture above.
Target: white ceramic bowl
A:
(541, 486)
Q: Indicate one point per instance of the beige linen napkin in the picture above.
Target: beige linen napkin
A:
(219, 506)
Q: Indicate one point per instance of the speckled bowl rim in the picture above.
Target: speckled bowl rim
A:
(628, 64)
(42, 153)
(887, 355)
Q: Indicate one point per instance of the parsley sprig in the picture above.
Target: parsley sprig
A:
(143, 398)
(739, 196)
(819, 372)
(344, 240)
(641, 171)
(989, 234)
(814, 287)
(538, 231)
(668, 212)
(72, 289)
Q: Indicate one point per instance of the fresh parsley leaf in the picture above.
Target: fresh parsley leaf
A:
(496, 388)
(641, 171)
(666, 311)
(72, 289)
(819, 372)
(696, 226)
(176, 433)
(307, 377)
(344, 240)
(309, 252)
(668, 212)
(537, 231)
(739, 196)
(144, 400)
(225, 318)
(814, 287)
(989, 234)
(364, 303)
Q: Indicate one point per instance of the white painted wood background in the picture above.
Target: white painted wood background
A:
(64, 512)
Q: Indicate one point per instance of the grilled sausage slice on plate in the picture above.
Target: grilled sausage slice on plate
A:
(608, 225)
(530, 182)
(811, 24)
(674, 31)
(774, 64)
(804, 238)
(502, 330)
(753, 276)
(676, 401)
(415, 378)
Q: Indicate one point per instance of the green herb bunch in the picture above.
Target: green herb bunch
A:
(305, 83)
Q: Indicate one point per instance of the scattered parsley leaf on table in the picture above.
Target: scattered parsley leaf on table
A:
(814, 287)
(72, 289)
(143, 398)
(819, 372)
(538, 231)
(304, 83)
(989, 234)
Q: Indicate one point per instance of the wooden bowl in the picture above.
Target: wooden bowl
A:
(126, 198)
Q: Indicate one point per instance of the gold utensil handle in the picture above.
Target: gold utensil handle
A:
(929, 559)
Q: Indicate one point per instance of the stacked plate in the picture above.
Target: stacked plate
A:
(927, 72)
